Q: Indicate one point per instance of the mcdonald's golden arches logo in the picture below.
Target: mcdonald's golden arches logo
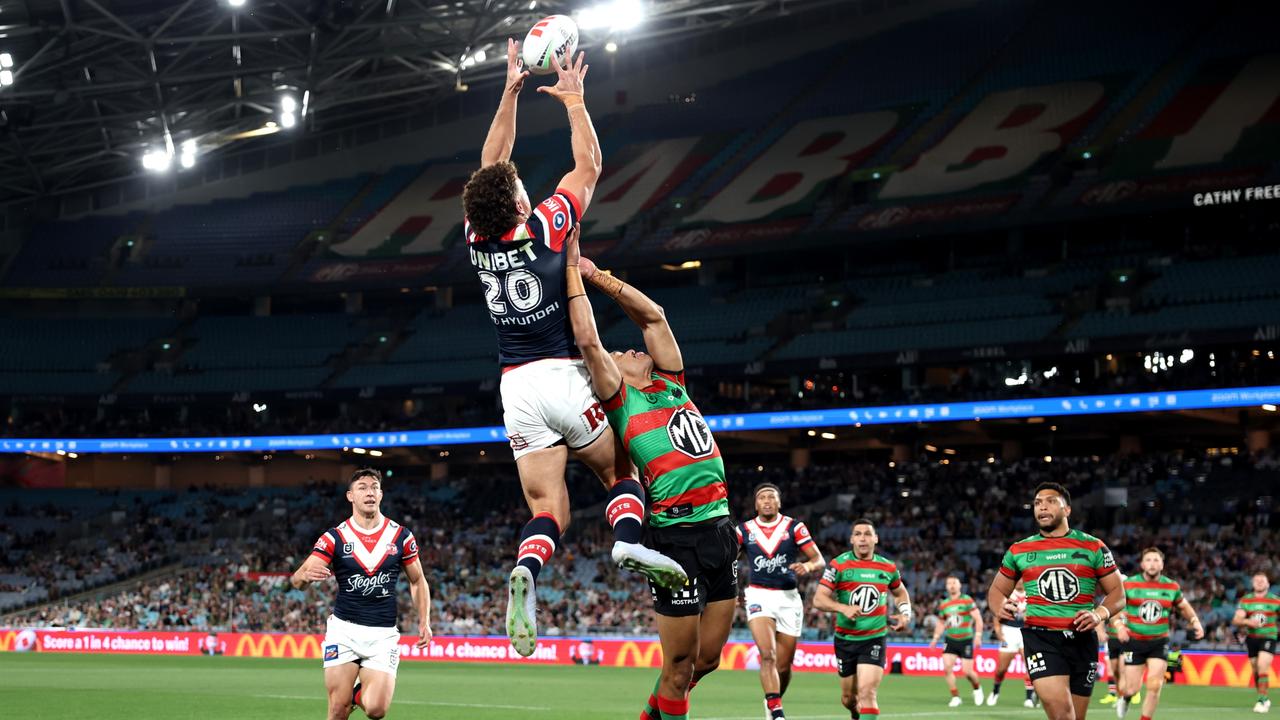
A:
(6, 640)
(650, 655)
(734, 656)
(277, 646)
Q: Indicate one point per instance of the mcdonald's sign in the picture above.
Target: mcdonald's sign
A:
(1222, 669)
(7, 639)
(275, 646)
(734, 656)
(642, 653)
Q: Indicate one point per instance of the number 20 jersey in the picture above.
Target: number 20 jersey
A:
(522, 273)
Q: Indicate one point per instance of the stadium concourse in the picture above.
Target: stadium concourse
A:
(212, 558)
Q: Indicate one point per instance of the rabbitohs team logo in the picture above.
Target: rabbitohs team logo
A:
(689, 434)
(866, 598)
(1151, 612)
(1058, 585)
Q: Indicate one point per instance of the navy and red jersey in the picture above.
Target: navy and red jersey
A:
(771, 549)
(367, 567)
(523, 277)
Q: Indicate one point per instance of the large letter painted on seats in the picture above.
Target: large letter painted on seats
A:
(418, 220)
(812, 152)
(1001, 138)
(1241, 105)
(629, 188)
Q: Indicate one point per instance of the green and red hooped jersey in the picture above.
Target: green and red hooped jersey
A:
(957, 617)
(673, 448)
(865, 584)
(1060, 575)
(1262, 608)
(1148, 605)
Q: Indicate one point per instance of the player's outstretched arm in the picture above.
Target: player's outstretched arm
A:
(587, 159)
(998, 597)
(659, 340)
(313, 569)
(606, 379)
(937, 632)
(421, 593)
(813, 561)
(976, 614)
(502, 133)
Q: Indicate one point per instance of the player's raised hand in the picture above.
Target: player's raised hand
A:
(573, 253)
(316, 573)
(516, 73)
(897, 623)
(1197, 631)
(424, 636)
(1122, 634)
(568, 87)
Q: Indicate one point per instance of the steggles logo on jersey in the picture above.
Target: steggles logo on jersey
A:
(689, 433)
(866, 598)
(1150, 612)
(367, 584)
(1058, 585)
(774, 564)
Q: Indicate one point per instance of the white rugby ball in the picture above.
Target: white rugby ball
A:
(551, 39)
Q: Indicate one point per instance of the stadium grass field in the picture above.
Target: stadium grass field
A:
(111, 687)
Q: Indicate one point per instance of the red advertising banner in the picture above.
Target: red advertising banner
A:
(1198, 668)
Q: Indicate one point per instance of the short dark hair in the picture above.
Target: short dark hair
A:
(1148, 551)
(766, 486)
(862, 521)
(1066, 496)
(364, 472)
(489, 200)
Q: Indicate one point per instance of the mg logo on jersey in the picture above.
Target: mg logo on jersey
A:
(1260, 617)
(1058, 585)
(955, 620)
(689, 433)
(1151, 612)
(866, 598)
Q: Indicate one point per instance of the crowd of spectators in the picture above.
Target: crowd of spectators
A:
(1212, 515)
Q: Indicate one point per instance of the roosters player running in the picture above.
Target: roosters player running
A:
(1064, 570)
(548, 409)
(361, 643)
(962, 623)
(648, 405)
(856, 588)
(1144, 629)
(1009, 634)
(774, 544)
(1256, 612)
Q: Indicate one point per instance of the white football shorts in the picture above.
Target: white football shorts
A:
(1010, 639)
(784, 606)
(375, 648)
(546, 401)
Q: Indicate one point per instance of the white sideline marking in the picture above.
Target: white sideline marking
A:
(417, 702)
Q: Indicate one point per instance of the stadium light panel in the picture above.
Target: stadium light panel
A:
(611, 47)
(288, 104)
(236, 3)
(288, 120)
(617, 15)
(6, 78)
(6, 60)
(157, 160)
(187, 160)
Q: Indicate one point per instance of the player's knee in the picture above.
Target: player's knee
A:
(768, 657)
(848, 699)
(867, 697)
(707, 665)
(375, 710)
(783, 669)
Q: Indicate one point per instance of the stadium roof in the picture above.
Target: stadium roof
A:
(89, 86)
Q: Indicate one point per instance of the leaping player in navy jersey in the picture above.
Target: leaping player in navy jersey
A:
(779, 550)
(361, 643)
(549, 410)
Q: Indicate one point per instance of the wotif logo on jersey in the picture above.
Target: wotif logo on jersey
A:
(689, 433)
(367, 584)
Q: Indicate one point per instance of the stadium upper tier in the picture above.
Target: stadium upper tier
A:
(1213, 517)
(991, 115)
(866, 320)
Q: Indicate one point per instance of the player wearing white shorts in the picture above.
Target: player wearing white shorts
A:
(517, 250)
(1009, 636)
(361, 642)
(775, 545)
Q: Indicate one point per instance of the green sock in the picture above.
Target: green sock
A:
(651, 705)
